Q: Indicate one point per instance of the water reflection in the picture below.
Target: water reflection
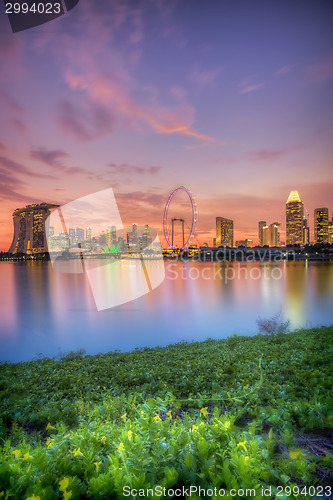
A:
(43, 311)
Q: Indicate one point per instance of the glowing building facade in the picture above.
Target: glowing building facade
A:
(29, 229)
(261, 225)
(294, 219)
(321, 225)
(330, 231)
(224, 232)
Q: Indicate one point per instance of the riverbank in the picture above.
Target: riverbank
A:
(244, 412)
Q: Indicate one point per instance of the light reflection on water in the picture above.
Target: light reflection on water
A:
(43, 311)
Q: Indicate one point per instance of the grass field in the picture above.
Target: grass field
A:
(240, 413)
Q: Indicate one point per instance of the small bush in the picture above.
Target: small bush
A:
(73, 355)
(274, 326)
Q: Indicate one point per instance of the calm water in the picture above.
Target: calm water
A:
(46, 313)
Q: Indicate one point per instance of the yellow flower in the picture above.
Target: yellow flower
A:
(49, 426)
(195, 428)
(63, 484)
(157, 419)
(26, 456)
(294, 454)
(169, 413)
(130, 434)
(121, 447)
(204, 411)
(67, 495)
(103, 439)
(227, 425)
(17, 453)
(142, 412)
(242, 445)
(49, 442)
(97, 464)
(33, 497)
(246, 460)
(123, 417)
(77, 453)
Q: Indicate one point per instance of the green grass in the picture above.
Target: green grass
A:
(244, 412)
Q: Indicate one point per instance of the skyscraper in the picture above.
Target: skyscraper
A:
(330, 231)
(261, 225)
(306, 232)
(88, 233)
(224, 232)
(321, 225)
(29, 228)
(275, 234)
(294, 219)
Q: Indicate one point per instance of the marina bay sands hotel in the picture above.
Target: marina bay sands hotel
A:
(29, 228)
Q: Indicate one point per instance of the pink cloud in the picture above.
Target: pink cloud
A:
(266, 154)
(251, 88)
(284, 70)
(111, 95)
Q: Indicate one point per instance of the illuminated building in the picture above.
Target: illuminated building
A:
(270, 235)
(266, 236)
(330, 231)
(244, 243)
(306, 232)
(79, 233)
(275, 235)
(261, 225)
(294, 219)
(321, 225)
(88, 233)
(224, 232)
(72, 237)
(132, 238)
(29, 228)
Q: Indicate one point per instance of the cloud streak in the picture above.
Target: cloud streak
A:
(106, 92)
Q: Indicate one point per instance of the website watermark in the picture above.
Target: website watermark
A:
(236, 271)
(188, 491)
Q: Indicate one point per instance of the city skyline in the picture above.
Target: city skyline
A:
(29, 228)
(239, 109)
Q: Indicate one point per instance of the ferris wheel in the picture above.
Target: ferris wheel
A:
(187, 224)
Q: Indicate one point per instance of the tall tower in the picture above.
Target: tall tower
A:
(275, 234)
(224, 232)
(321, 225)
(330, 231)
(294, 219)
(29, 228)
(261, 225)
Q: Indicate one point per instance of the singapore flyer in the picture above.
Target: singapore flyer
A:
(179, 219)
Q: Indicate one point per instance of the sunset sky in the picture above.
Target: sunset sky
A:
(231, 98)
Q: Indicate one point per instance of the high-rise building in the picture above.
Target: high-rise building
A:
(266, 236)
(294, 219)
(224, 232)
(79, 234)
(244, 243)
(261, 225)
(330, 231)
(275, 235)
(72, 237)
(321, 225)
(29, 228)
(88, 233)
(306, 232)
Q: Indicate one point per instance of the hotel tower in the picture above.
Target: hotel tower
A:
(294, 219)
(29, 229)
